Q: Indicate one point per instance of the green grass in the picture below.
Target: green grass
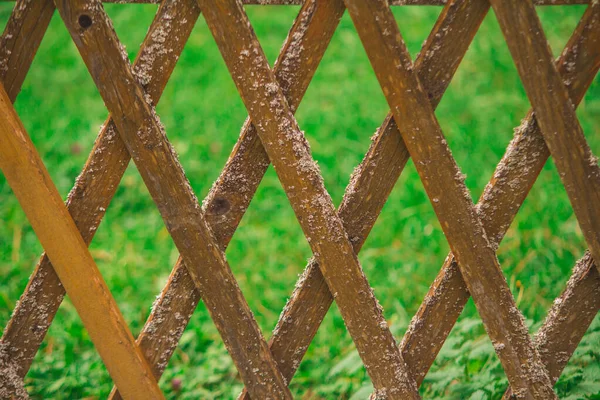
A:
(202, 112)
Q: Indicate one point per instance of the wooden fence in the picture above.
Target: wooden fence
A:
(271, 134)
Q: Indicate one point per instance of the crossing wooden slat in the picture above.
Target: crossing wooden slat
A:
(443, 182)
(19, 43)
(570, 316)
(498, 205)
(228, 200)
(99, 179)
(41, 202)
(576, 164)
(500, 201)
(297, 171)
(144, 137)
(372, 183)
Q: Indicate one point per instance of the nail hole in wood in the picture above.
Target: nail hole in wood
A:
(85, 21)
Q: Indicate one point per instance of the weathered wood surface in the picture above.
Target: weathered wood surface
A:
(444, 184)
(372, 183)
(301, 179)
(144, 137)
(230, 196)
(500, 201)
(56, 231)
(576, 164)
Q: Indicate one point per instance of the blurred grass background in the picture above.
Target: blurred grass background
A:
(202, 112)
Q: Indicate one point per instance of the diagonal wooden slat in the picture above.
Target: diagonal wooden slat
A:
(104, 168)
(21, 38)
(297, 171)
(372, 182)
(444, 185)
(58, 234)
(577, 166)
(570, 316)
(229, 198)
(19, 43)
(140, 129)
(500, 201)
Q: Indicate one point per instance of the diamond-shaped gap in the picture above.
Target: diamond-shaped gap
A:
(484, 102)
(271, 26)
(559, 23)
(131, 24)
(334, 107)
(415, 25)
(466, 366)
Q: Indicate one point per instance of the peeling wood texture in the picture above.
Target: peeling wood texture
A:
(271, 134)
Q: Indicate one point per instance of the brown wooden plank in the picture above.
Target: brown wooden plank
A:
(577, 166)
(97, 183)
(451, 201)
(290, 155)
(229, 198)
(72, 261)
(500, 201)
(159, 167)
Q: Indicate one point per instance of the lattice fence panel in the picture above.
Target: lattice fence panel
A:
(271, 134)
